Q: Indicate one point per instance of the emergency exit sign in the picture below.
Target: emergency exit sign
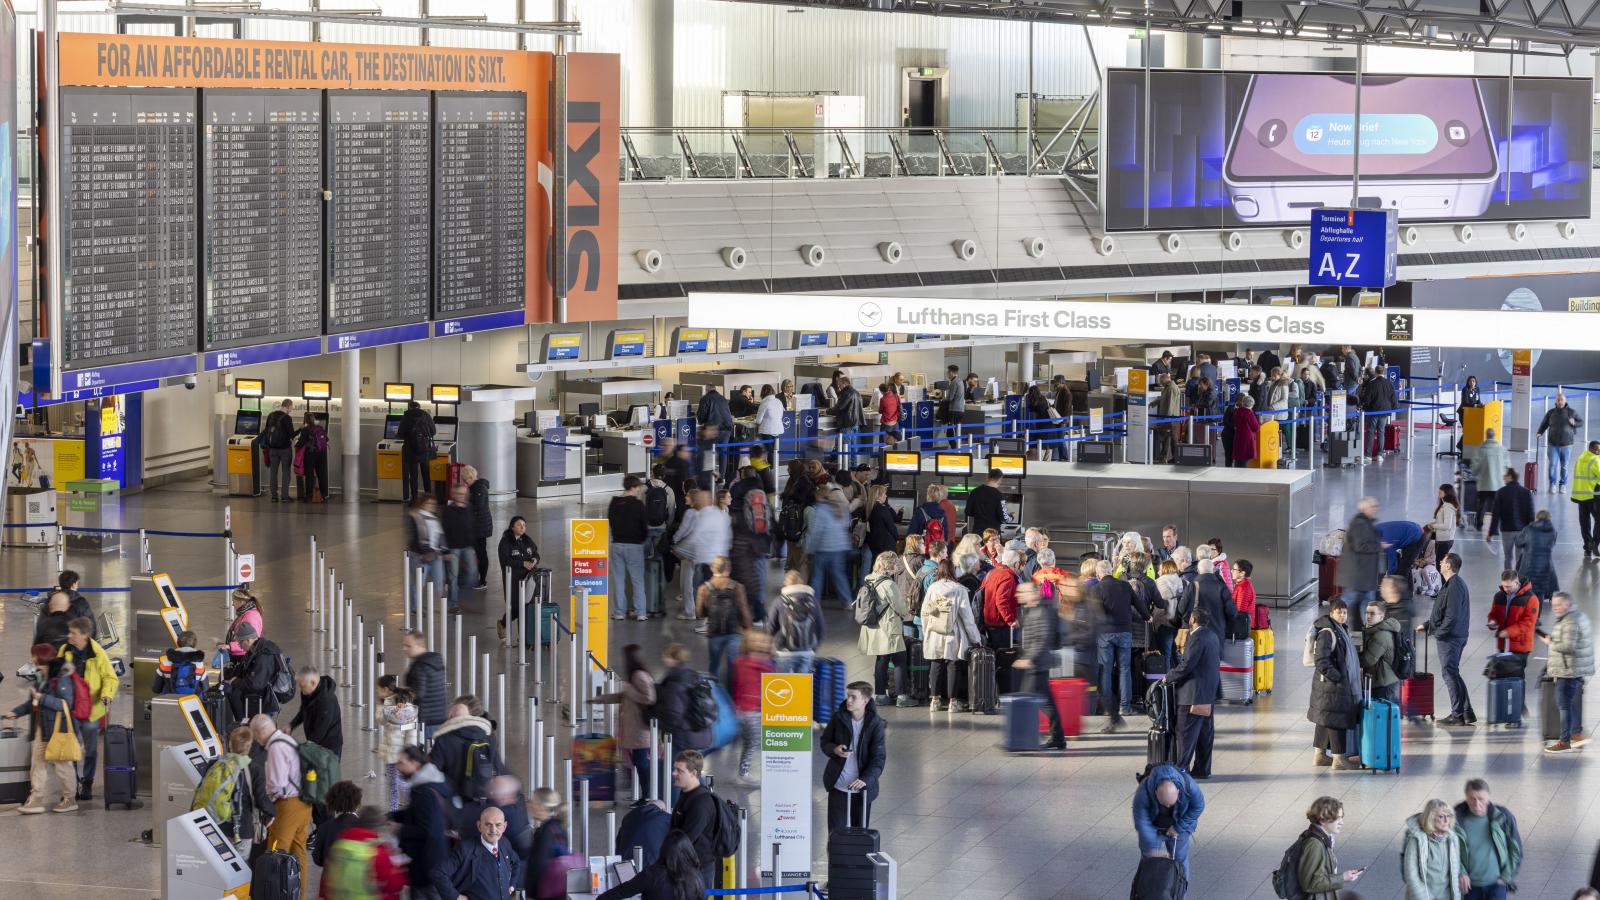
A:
(1354, 247)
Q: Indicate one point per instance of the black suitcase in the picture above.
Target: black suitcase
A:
(1159, 878)
(1549, 712)
(1161, 743)
(851, 875)
(1343, 449)
(121, 767)
(216, 704)
(915, 682)
(275, 876)
(982, 694)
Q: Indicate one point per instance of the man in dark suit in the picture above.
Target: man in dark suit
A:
(1198, 679)
(486, 868)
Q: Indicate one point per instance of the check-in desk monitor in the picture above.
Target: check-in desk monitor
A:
(179, 769)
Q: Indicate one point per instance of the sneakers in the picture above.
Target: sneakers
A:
(703, 628)
(641, 617)
(881, 699)
(936, 704)
(956, 706)
(1111, 727)
(32, 809)
(685, 617)
(1319, 758)
(1557, 747)
(1579, 739)
(1049, 745)
(1345, 763)
(617, 617)
(65, 806)
(904, 701)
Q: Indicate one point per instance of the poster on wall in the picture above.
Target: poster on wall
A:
(1232, 149)
(44, 462)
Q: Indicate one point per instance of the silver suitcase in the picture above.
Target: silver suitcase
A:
(16, 757)
(1238, 671)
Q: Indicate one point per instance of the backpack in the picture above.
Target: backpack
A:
(1263, 617)
(319, 772)
(82, 700)
(1286, 878)
(480, 767)
(282, 685)
(1405, 655)
(933, 530)
(726, 841)
(722, 610)
(282, 430)
(655, 505)
(797, 626)
(937, 611)
(1308, 652)
(1332, 543)
(755, 511)
(700, 713)
(792, 522)
(349, 873)
(183, 679)
(219, 786)
(319, 439)
(867, 609)
(421, 441)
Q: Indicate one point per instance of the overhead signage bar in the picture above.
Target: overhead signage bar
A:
(1162, 322)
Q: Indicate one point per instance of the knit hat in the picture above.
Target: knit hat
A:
(245, 632)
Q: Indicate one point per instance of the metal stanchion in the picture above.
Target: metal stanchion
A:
(382, 658)
(311, 596)
(349, 629)
(739, 868)
(611, 833)
(520, 635)
(360, 662)
(550, 762)
(533, 743)
(500, 710)
(428, 614)
(655, 760)
(507, 619)
(574, 674)
(373, 703)
(777, 862)
(583, 791)
(444, 616)
(405, 602)
(570, 790)
(537, 621)
(485, 663)
(456, 653)
(472, 671)
(664, 777)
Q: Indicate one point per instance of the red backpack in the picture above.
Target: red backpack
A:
(755, 511)
(934, 529)
(82, 701)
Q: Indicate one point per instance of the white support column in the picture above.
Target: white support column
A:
(350, 435)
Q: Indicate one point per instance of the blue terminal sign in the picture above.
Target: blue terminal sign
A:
(1354, 247)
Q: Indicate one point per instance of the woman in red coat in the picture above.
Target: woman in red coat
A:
(1245, 427)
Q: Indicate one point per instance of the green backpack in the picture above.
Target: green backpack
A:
(319, 771)
(349, 871)
(216, 790)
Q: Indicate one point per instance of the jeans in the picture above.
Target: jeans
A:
(1566, 700)
(1357, 601)
(1119, 643)
(880, 673)
(1389, 692)
(723, 647)
(795, 662)
(829, 566)
(278, 466)
(432, 572)
(1559, 458)
(1496, 891)
(89, 734)
(627, 566)
(849, 436)
(1508, 546)
(1450, 661)
(641, 771)
(461, 574)
(1178, 849)
(1589, 521)
(690, 576)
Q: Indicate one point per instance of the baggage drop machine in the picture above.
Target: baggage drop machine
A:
(200, 863)
(1015, 467)
(443, 469)
(242, 451)
(391, 482)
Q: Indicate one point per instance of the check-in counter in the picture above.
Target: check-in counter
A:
(609, 394)
(622, 450)
(692, 385)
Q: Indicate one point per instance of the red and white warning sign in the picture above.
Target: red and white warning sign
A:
(649, 438)
(244, 568)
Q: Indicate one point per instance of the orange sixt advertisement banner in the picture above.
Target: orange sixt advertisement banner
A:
(112, 60)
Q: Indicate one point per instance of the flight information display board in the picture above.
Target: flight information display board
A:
(262, 207)
(379, 237)
(479, 209)
(128, 225)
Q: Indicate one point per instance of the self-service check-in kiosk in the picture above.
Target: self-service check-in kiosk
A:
(1014, 466)
(244, 461)
(441, 469)
(954, 471)
(390, 468)
(180, 766)
(902, 468)
(158, 617)
(200, 862)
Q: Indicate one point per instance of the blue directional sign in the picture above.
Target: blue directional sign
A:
(1354, 247)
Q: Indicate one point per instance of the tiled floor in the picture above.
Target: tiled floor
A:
(963, 819)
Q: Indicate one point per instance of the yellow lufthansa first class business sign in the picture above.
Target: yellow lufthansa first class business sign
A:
(589, 541)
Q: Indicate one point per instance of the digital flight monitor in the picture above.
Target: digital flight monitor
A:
(1012, 466)
(316, 390)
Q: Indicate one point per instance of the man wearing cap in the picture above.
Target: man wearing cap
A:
(250, 690)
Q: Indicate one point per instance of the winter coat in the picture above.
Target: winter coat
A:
(638, 694)
(451, 745)
(1535, 543)
(319, 714)
(964, 634)
(871, 755)
(51, 628)
(884, 638)
(424, 824)
(1489, 465)
(425, 678)
(252, 616)
(1513, 507)
(478, 502)
(1336, 689)
(1418, 856)
(1209, 593)
(1245, 428)
(1361, 563)
(399, 729)
(1318, 872)
(95, 667)
(1562, 422)
(671, 710)
(460, 532)
(255, 675)
(1450, 611)
(1378, 646)
(883, 532)
(54, 707)
(514, 551)
(1503, 833)
(1198, 675)
(1517, 616)
(828, 527)
(1571, 647)
(847, 412)
(1185, 813)
(999, 597)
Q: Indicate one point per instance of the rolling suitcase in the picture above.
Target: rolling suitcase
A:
(915, 680)
(1530, 475)
(1391, 436)
(549, 614)
(1161, 743)
(16, 760)
(1238, 671)
(1506, 697)
(1020, 714)
(122, 768)
(1152, 667)
(1159, 878)
(1327, 572)
(1265, 645)
(1067, 694)
(1549, 711)
(1380, 735)
(982, 693)
(275, 876)
(1416, 692)
(851, 875)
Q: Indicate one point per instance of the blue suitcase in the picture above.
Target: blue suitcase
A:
(1506, 698)
(1020, 714)
(827, 688)
(1380, 735)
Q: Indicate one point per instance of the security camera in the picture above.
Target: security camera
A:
(189, 382)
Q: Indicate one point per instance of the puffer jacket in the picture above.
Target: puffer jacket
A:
(425, 678)
(399, 729)
(1571, 647)
(1418, 856)
(1336, 689)
(884, 638)
(1318, 871)
(95, 667)
(1378, 646)
(638, 694)
(478, 502)
(1535, 543)
(1489, 464)
(1517, 616)
(963, 634)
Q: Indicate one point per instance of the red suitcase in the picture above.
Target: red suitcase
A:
(1416, 692)
(1391, 436)
(1327, 587)
(1069, 695)
(1530, 475)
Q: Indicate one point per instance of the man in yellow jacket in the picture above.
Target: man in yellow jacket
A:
(1585, 479)
(92, 663)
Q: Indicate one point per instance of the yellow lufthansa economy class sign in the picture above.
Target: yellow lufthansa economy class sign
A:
(786, 713)
(589, 541)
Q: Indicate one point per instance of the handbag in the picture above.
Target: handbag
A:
(63, 746)
(1200, 709)
(300, 460)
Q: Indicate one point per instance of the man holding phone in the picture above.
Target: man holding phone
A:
(856, 750)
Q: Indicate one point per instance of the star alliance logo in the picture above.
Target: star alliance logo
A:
(1398, 327)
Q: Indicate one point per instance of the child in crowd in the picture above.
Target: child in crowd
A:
(747, 671)
(399, 729)
(182, 670)
(1244, 593)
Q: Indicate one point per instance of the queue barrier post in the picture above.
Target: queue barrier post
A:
(472, 672)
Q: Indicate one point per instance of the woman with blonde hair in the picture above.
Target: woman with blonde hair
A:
(546, 810)
(1430, 859)
(883, 639)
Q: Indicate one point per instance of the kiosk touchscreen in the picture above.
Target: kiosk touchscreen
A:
(902, 468)
(446, 398)
(200, 862)
(243, 462)
(169, 598)
(391, 485)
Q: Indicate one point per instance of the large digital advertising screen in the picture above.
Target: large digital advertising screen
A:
(1233, 149)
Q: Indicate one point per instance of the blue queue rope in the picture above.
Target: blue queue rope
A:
(149, 532)
(762, 891)
(196, 588)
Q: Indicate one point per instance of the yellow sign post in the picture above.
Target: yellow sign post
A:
(1269, 446)
(590, 541)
